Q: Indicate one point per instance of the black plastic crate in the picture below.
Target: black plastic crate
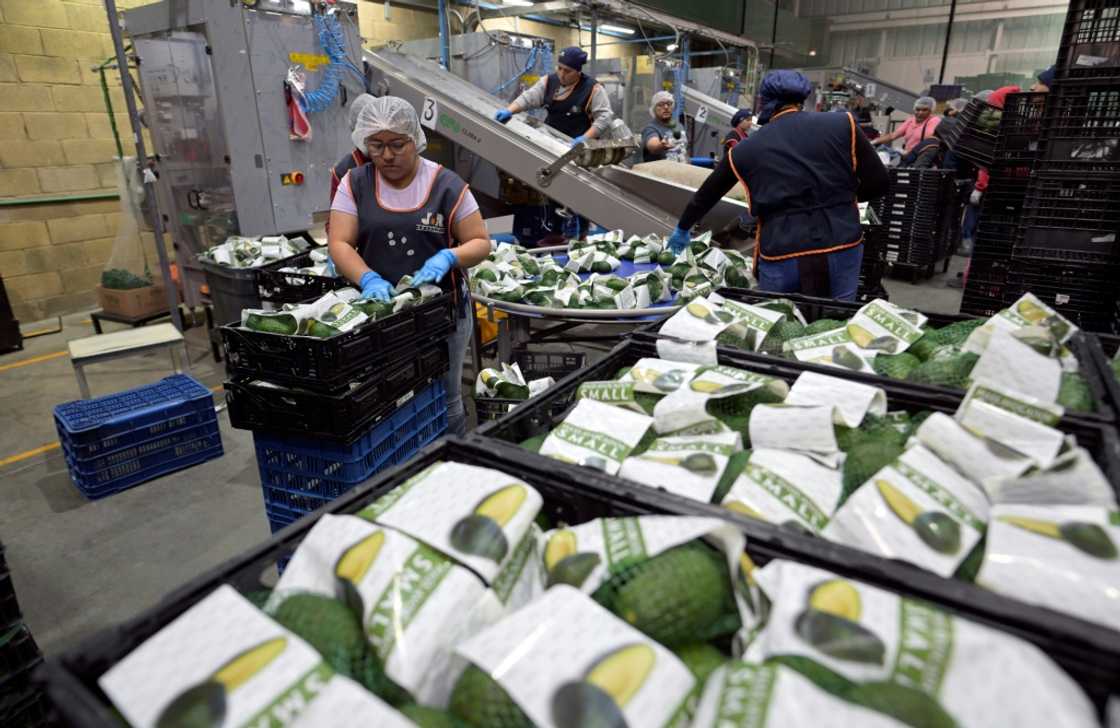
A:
(814, 308)
(1085, 294)
(25, 708)
(277, 287)
(331, 364)
(9, 605)
(1020, 128)
(573, 495)
(972, 140)
(265, 407)
(1090, 44)
(18, 654)
(1060, 244)
(233, 290)
(533, 365)
(1082, 128)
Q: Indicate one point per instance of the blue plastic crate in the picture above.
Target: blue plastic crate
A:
(94, 426)
(279, 517)
(127, 475)
(122, 457)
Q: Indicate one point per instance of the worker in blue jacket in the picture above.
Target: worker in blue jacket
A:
(803, 173)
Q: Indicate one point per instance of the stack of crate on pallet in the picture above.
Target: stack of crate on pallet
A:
(914, 216)
(122, 440)
(328, 414)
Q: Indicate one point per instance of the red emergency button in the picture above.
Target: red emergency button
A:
(297, 178)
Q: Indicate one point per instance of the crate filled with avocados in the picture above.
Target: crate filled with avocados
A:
(1028, 344)
(479, 586)
(338, 338)
(942, 484)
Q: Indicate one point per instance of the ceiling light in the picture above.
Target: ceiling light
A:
(607, 28)
(812, 53)
(672, 47)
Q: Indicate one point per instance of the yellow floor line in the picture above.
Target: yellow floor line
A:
(33, 360)
(29, 454)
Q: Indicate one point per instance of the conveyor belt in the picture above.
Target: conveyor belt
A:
(464, 114)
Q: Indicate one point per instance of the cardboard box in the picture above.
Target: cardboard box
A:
(133, 303)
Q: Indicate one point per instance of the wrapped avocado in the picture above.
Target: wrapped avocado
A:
(504, 383)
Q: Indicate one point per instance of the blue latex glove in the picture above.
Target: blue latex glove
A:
(503, 116)
(435, 268)
(375, 287)
(579, 139)
(679, 240)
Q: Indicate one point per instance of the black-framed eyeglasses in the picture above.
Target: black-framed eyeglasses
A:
(396, 147)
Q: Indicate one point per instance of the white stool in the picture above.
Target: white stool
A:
(104, 347)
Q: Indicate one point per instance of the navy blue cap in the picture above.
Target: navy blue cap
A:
(573, 58)
(740, 115)
(1047, 77)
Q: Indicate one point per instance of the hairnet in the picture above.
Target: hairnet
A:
(573, 57)
(740, 115)
(1047, 77)
(659, 97)
(388, 113)
(782, 88)
(958, 105)
(925, 102)
(356, 107)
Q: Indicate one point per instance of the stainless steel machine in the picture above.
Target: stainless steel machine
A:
(214, 80)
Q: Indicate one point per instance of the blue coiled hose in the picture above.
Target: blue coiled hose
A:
(333, 42)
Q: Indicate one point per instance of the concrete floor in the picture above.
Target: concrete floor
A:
(80, 565)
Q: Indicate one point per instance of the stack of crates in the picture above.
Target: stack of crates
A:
(1069, 252)
(914, 215)
(1002, 206)
(974, 136)
(122, 440)
(328, 414)
(21, 702)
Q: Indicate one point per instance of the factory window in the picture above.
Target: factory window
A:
(918, 40)
(1038, 31)
(854, 46)
(973, 37)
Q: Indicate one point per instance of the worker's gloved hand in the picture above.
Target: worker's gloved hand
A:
(580, 139)
(435, 268)
(503, 116)
(974, 198)
(375, 287)
(679, 240)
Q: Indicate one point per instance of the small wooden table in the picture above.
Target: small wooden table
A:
(105, 347)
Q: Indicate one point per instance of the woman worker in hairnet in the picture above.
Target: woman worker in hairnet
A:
(916, 128)
(402, 214)
(803, 173)
(663, 137)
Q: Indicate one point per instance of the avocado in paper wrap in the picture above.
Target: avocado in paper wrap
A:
(1061, 557)
(225, 659)
(596, 435)
(804, 429)
(698, 321)
(1020, 422)
(612, 392)
(567, 663)
(344, 703)
(1018, 367)
(506, 382)
(917, 509)
(881, 326)
(416, 603)
(752, 323)
(786, 488)
(694, 352)
(687, 466)
(974, 457)
(1028, 311)
(744, 694)
(1074, 479)
(853, 401)
(689, 404)
(659, 376)
(910, 659)
(831, 348)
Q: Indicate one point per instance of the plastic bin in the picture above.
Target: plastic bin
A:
(233, 290)
(1082, 126)
(18, 654)
(1090, 44)
(533, 365)
(9, 605)
(89, 427)
(278, 288)
(817, 308)
(331, 364)
(264, 406)
(972, 140)
(572, 495)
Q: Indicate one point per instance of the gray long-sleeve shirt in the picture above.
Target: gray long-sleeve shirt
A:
(601, 114)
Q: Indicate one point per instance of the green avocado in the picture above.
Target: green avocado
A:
(840, 637)
(481, 702)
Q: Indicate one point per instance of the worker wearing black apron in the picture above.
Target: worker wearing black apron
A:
(803, 173)
(577, 106)
(404, 215)
(740, 127)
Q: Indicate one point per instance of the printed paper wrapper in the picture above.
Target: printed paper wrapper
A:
(687, 466)
(974, 457)
(695, 352)
(1074, 479)
(659, 376)
(688, 405)
(1012, 419)
(785, 427)
(697, 321)
(832, 348)
(785, 487)
(1018, 367)
(479, 516)
(344, 703)
(416, 603)
(612, 392)
(566, 661)
(980, 676)
(881, 326)
(756, 322)
(772, 696)
(582, 438)
(257, 669)
(1029, 310)
(852, 400)
(917, 509)
(1061, 557)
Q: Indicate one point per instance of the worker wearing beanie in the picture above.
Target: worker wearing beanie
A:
(577, 105)
(803, 173)
(1045, 80)
(663, 137)
(740, 127)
